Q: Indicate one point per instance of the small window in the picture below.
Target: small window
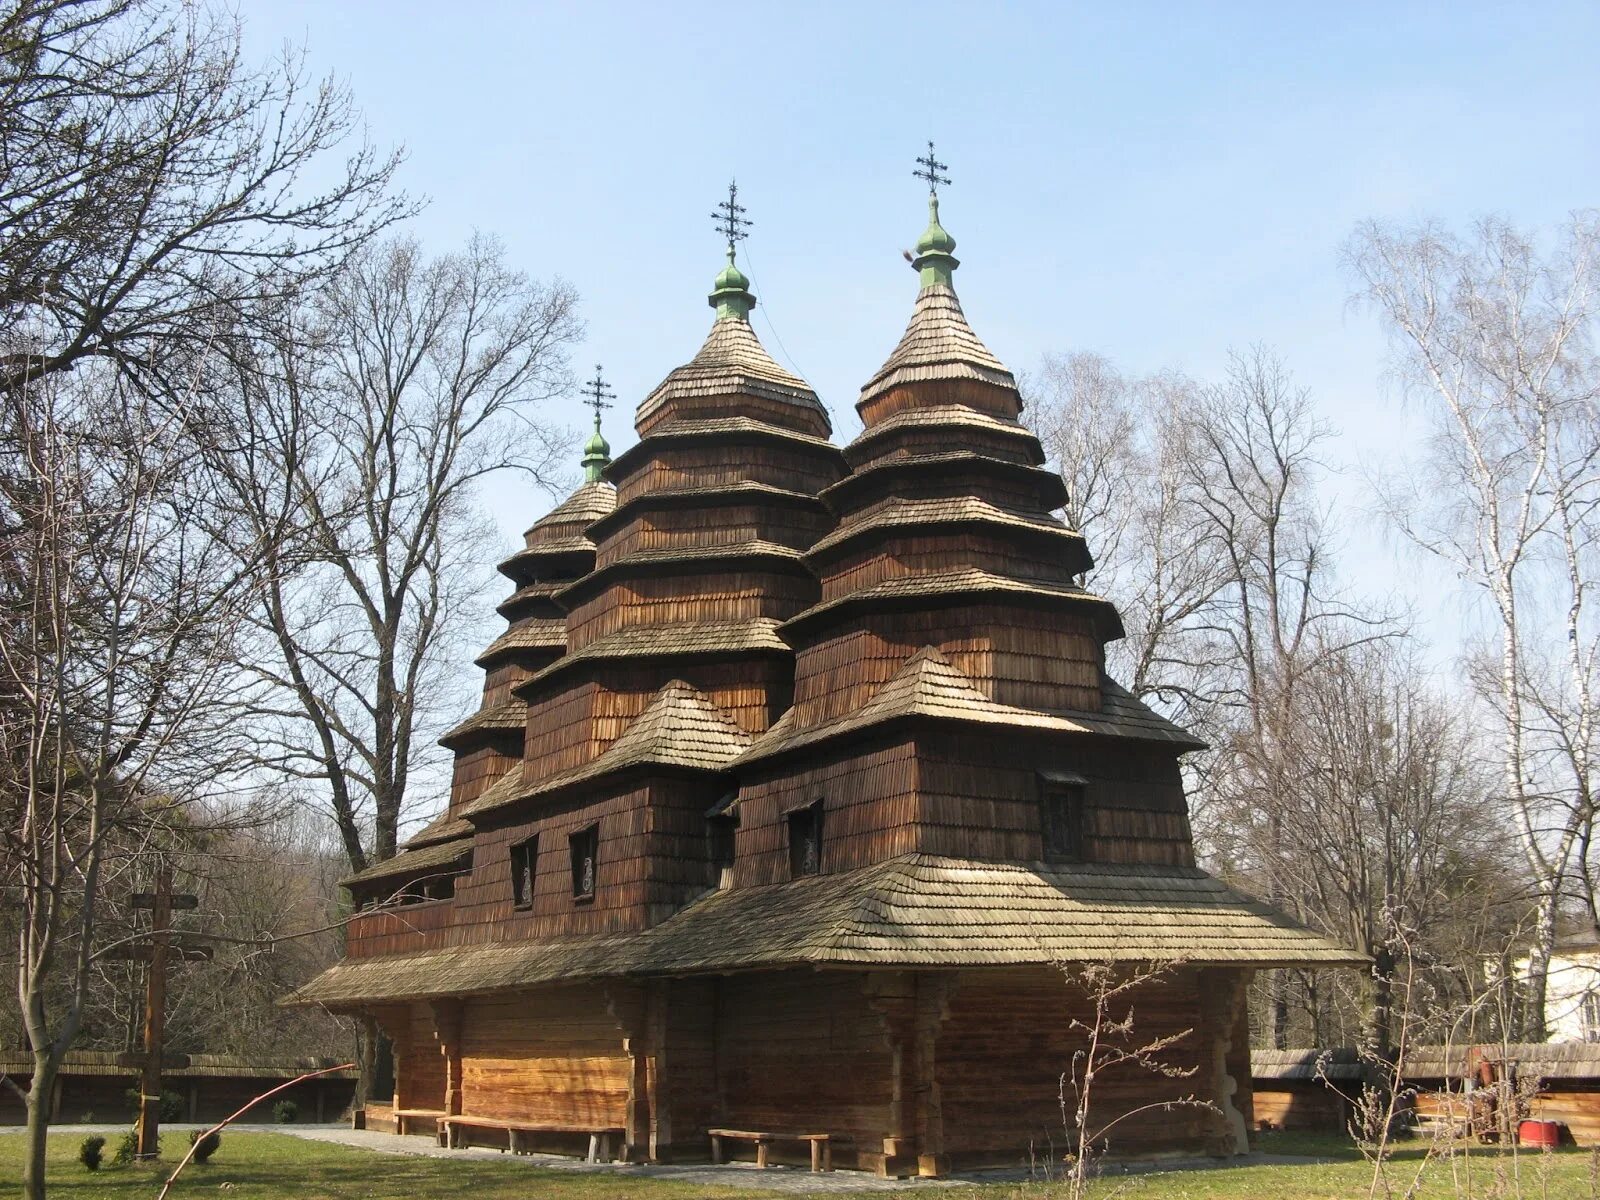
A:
(720, 833)
(1061, 821)
(585, 849)
(805, 841)
(524, 863)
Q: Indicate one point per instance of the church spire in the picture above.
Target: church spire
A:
(934, 262)
(731, 296)
(596, 451)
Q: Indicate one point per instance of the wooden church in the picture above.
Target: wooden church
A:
(797, 796)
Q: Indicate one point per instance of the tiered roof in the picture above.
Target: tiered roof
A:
(911, 911)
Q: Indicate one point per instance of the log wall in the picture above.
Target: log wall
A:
(555, 1055)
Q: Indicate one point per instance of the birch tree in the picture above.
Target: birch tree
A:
(1495, 338)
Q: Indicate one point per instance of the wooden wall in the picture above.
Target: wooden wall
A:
(1007, 1041)
(979, 798)
(793, 465)
(554, 1055)
(803, 1050)
(1015, 655)
(869, 802)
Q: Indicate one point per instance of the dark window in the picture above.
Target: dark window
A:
(524, 863)
(719, 838)
(805, 841)
(1061, 821)
(585, 848)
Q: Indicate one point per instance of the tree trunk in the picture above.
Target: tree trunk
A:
(40, 1091)
(1544, 938)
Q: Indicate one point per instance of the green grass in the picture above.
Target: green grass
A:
(266, 1166)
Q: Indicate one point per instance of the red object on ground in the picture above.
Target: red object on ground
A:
(1539, 1134)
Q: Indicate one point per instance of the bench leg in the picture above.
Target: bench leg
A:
(761, 1153)
(827, 1156)
(716, 1151)
(816, 1156)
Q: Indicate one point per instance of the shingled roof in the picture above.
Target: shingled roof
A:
(424, 858)
(916, 910)
(929, 685)
(937, 344)
(732, 361)
(680, 727)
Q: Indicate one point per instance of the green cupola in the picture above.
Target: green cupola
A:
(731, 295)
(596, 454)
(934, 261)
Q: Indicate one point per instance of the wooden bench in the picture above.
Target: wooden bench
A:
(403, 1116)
(821, 1147)
(452, 1133)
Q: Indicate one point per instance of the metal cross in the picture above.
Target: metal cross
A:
(931, 168)
(731, 221)
(598, 392)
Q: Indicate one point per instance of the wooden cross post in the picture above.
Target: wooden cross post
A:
(155, 1009)
(161, 902)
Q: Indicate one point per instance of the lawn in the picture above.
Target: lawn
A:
(265, 1166)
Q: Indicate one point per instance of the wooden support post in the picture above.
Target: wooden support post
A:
(447, 1018)
(627, 1004)
(913, 1007)
(656, 1001)
(761, 1153)
(155, 1008)
(1222, 998)
(933, 1006)
(716, 1151)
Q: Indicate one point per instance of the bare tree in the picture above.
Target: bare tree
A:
(364, 426)
(1392, 829)
(1497, 339)
(119, 619)
(1123, 447)
(153, 184)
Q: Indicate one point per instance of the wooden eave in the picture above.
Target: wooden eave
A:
(591, 501)
(563, 557)
(929, 688)
(724, 430)
(443, 828)
(946, 589)
(955, 417)
(915, 911)
(430, 859)
(684, 560)
(668, 499)
(547, 634)
(699, 640)
(530, 594)
(910, 517)
(488, 724)
(1051, 491)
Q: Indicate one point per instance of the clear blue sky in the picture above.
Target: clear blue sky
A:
(1155, 182)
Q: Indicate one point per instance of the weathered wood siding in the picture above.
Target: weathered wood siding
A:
(554, 1055)
(803, 1050)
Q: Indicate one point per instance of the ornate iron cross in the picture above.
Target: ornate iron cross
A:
(730, 219)
(598, 392)
(929, 169)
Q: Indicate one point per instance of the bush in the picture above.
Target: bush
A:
(285, 1112)
(204, 1147)
(127, 1148)
(89, 1151)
